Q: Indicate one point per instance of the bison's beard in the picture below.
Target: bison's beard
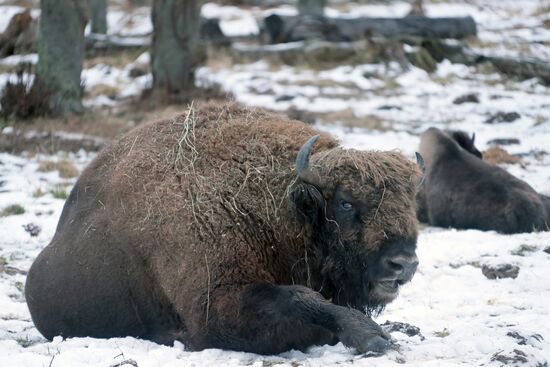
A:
(351, 284)
(376, 295)
(377, 300)
(374, 310)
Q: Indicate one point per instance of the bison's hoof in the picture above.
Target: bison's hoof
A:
(365, 336)
(371, 344)
(375, 345)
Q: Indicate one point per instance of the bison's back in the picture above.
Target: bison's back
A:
(469, 193)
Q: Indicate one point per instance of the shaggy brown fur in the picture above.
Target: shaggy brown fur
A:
(463, 191)
(182, 229)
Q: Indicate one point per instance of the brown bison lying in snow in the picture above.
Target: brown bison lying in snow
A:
(202, 229)
(460, 190)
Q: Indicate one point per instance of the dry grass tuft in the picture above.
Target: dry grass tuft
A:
(38, 193)
(59, 193)
(66, 168)
(348, 118)
(104, 89)
(184, 155)
(23, 100)
(47, 166)
(497, 155)
(14, 209)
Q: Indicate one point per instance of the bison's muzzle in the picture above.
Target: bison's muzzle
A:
(396, 266)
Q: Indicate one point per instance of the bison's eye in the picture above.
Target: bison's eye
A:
(346, 205)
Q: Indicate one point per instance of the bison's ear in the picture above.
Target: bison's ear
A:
(309, 203)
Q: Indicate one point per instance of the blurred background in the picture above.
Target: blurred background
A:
(75, 74)
(100, 67)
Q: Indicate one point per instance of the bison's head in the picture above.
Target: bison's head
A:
(357, 209)
(465, 141)
(435, 143)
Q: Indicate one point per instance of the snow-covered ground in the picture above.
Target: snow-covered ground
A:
(464, 318)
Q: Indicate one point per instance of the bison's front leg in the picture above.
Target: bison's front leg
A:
(270, 319)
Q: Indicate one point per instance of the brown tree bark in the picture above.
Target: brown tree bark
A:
(61, 52)
(295, 28)
(312, 7)
(175, 50)
(99, 16)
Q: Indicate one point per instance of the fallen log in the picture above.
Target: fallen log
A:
(520, 67)
(282, 29)
(323, 53)
(453, 51)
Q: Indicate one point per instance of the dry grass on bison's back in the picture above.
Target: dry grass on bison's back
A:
(245, 156)
(248, 170)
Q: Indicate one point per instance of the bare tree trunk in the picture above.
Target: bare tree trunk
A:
(175, 51)
(61, 52)
(417, 8)
(312, 7)
(99, 16)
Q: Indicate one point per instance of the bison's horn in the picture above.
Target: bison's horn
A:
(422, 165)
(302, 160)
(473, 137)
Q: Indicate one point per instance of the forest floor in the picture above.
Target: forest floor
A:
(464, 318)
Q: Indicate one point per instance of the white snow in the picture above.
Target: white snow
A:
(117, 78)
(19, 59)
(124, 23)
(449, 294)
(233, 20)
(466, 319)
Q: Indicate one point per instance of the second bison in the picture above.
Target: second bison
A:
(463, 191)
(202, 229)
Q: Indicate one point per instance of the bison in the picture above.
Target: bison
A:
(546, 200)
(465, 142)
(461, 190)
(220, 228)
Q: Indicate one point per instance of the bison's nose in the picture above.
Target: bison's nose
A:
(402, 266)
